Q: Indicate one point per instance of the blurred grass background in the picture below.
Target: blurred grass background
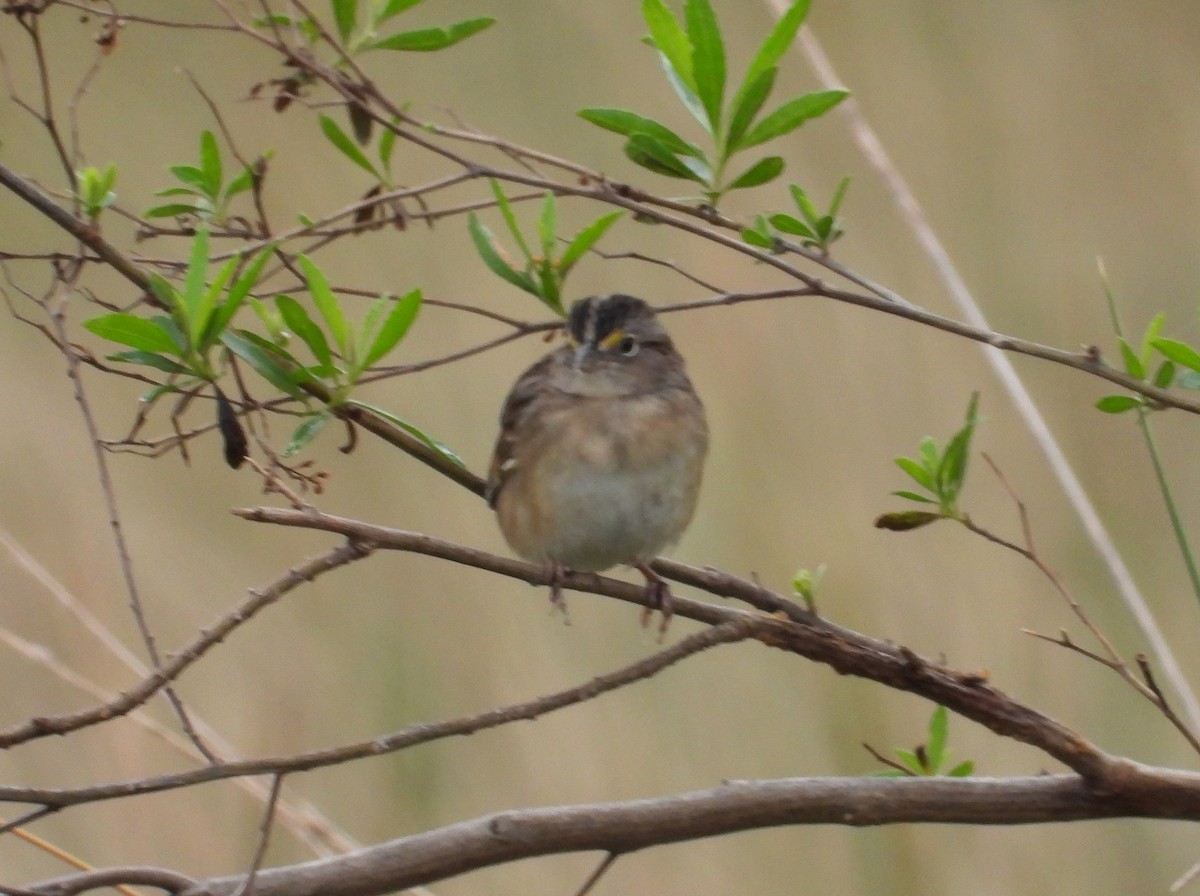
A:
(1038, 136)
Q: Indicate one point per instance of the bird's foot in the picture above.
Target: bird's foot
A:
(658, 597)
(556, 572)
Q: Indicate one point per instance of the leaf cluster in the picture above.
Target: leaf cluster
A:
(203, 191)
(94, 189)
(1138, 363)
(542, 273)
(940, 474)
(692, 54)
(816, 230)
(930, 758)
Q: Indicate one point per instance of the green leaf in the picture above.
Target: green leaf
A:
(240, 184)
(134, 331)
(670, 39)
(963, 770)
(929, 454)
(777, 41)
(174, 209)
(207, 307)
(1179, 352)
(430, 442)
(838, 195)
(307, 431)
(584, 240)
(648, 152)
(913, 496)
(210, 163)
(1133, 364)
(346, 146)
(919, 473)
(344, 12)
(1153, 331)
(788, 224)
(430, 39)
(804, 204)
(791, 115)
(297, 320)
(192, 176)
(708, 59)
(264, 358)
(936, 747)
(237, 295)
(149, 359)
(1118, 404)
(486, 247)
(910, 759)
(759, 235)
(622, 121)
(510, 218)
(1165, 375)
(761, 172)
(327, 303)
(685, 92)
(394, 8)
(747, 103)
(953, 469)
(387, 143)
(193, 300)
(547, 224)
(395, 326)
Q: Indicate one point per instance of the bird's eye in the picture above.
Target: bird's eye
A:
(628, 346)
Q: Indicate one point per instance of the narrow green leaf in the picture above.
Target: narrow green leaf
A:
(777, 41)
(150, 359)
(686, 93)
(913, 496)
(327, 303)
(939, 725)
(395, 326)
(644, 150)
(510, 218)
(1164, 377)
(427, 440)
(804, 204)
(345, 145)
(307, 431)
(584, 240)
(240, 184)
(747, 103)
(547, 224)
(952, 471)
(708, 59)
(297, 320)
(193, 299)
(237, 296)
(963, 770)
(210, 163)
(387, 143)
(920, 475)
(791, 115)
(394, 8)
(1153, 331)
(486, 247)
(1133, 364)
(1119, 404)
(134, 331)
(911, 760)
(930, 455)
(838, 195)
(761, 172)
(343, 14)
(205, 311)
(265, 359)
(1179, 352)
(622, 121)
(793, 226)
(173, 210)
(754, 238)
(430, 39)
(551, 283)
(192, 176)
(670, 39)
